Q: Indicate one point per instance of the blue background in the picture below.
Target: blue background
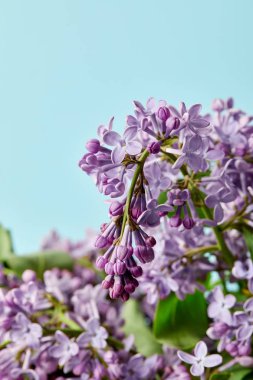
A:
(68, 66)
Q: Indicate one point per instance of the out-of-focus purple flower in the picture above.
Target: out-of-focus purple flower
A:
(220, 305)
(95, 335)
(243, 269)
(64, 348)
(200, 360)
(30, 298)
(24, 332)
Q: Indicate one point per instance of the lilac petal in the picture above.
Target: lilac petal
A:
(129, 133)
(61, 337)
(179, 162)
(153, 219)
(213, 310)
(214, 154)
(118, 154)
(218, 295)
(200, 350)
(172, 284)
(143, 217)
(248, 305)
(200, 123)
(164, 208)
(212, 360)
(187, 358)
(182, 108)
(151, 104)
(111, 138)
(230, 300)
(211, 201)
(174, 112)
(194, 110)
(195, 143)
(229, 197)
(133, 147)
(218, 213)
(92, 325)
(155, 170)
(151, 204)
(194, 161)
(197, 369)
(244, 332)
(132, 121)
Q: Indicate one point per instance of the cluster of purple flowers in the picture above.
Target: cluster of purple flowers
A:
(203, 166)
(181, 221)
(64, 326)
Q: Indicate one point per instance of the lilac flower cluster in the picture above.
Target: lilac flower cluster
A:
(180, 226)
(195, 162)
(64, 326)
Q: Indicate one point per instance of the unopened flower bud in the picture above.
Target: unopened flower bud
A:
(93, 146)
(163, 113)
(154, 147)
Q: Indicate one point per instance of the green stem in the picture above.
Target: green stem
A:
(137, 172)
(200, 250)
(226, 225)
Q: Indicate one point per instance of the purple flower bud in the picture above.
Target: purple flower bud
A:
(172, 123)
(163, 113)
(119, 267)
(144, 254)
(136, 271)
(188, 223)
(218, 105)
(154, 147)
(175, 221)
(28, 275)
(117, 290)
(230, 103)
(101, 262)
(150, 241)
(123, 252)
(125, 296)
(129, 288)
(101, 242)
(93, 146)
(116, 208)
(108, 282)
(109, 268)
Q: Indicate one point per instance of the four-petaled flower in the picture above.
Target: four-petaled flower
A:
(200, 359)
(220, 305)
(122, 145)
(95, 335)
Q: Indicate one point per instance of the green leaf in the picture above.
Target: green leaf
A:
(6, 247)
(220, 376)
(234, 373)
(181, 324)
(40, 262)
(162, 198)
(248, 237)
(135, 324)
(239, 373)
